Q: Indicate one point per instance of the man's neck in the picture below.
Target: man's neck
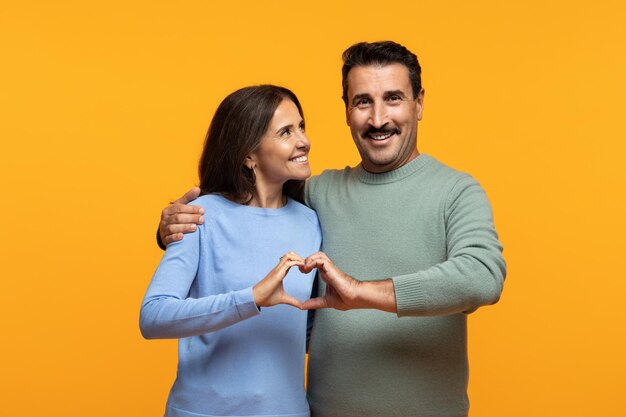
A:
(381, 169)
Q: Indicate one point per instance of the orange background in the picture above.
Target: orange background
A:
(104, 106)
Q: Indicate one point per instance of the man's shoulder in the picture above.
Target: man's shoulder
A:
(318, 185)
(458, 187)
(442, 168)
(446, 174)
(331, 175)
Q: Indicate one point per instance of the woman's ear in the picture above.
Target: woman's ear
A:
(250, 163)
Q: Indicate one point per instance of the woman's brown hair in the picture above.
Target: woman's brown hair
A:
(239, 124)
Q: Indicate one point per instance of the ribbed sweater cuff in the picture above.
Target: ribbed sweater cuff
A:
(244, 301)
(410, 297)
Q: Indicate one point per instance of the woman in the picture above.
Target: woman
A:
(240, 352)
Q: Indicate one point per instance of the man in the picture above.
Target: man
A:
(403, 234)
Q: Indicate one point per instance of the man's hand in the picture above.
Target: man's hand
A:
(269, 291)
(179, 218)
(344, 292)
(341, 289)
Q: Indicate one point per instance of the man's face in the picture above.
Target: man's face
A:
(383, 116)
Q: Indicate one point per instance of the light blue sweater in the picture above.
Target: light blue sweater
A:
(234, 360)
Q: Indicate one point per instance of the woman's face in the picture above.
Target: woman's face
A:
(283, 153)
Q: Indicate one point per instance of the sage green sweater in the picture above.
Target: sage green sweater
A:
(430, 229)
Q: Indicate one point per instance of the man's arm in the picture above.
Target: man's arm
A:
(179, 218)
(474, 272)
(472, 276)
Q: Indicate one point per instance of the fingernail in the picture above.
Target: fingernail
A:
(201, 210)
(201, 219)
(193, 227)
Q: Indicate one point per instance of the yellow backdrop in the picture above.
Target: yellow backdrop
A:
(104, 106)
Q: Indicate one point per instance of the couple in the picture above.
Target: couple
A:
(417, 236)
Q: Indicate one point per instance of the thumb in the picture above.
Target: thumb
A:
(291, 300)
(190, 195)
(315, 303)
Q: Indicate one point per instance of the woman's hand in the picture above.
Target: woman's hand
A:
(269, 291)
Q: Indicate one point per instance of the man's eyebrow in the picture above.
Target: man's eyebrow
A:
(395, 93)
(360, 96)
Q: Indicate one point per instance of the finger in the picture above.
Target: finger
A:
(316, 256)
(186, 209)
(189, 196)
(179, 228)
(176, 209)
(281, 270)
(291, 256)
(305, 269)
(312, 263)
(172, 238)
(315, 303)
(313, 256)
(295, 256)
(308, 267)
(183, 218)
(288, 264)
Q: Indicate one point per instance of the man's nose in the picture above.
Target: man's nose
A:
(378, 115)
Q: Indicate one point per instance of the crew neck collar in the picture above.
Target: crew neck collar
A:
(397, 174)
(262, 210)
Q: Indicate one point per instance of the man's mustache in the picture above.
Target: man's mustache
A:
(381, 131)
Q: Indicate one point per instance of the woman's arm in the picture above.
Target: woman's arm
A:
(167, 312)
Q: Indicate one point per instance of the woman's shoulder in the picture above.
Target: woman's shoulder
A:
(212, 204)
(305, 211)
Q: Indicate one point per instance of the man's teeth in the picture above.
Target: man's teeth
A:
(380, 136)
(300, 159)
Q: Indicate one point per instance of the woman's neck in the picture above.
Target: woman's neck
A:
(268, 197)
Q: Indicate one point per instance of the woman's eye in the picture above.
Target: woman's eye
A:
(301, 127)
(285, 132)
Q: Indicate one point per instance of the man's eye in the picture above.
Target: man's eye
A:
(363, 103)
(394, 98)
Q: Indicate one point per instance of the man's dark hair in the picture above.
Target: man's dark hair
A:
(380, 53)
(239, 124)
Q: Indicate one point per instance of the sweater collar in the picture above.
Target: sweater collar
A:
(397, 174)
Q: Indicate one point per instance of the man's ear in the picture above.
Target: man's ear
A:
(419, 104)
